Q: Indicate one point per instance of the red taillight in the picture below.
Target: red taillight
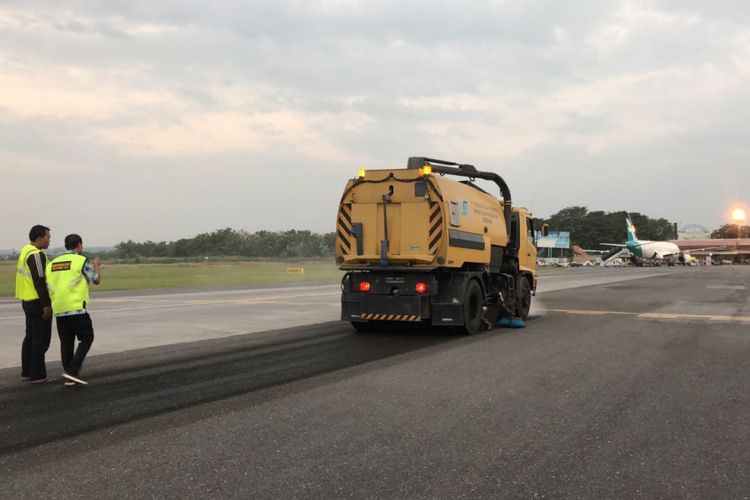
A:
(420, 288)
(364, 286)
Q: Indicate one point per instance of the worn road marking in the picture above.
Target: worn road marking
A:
(586, 312)
(234, 301)
(193, 303)
(652, 315)
(281, 298)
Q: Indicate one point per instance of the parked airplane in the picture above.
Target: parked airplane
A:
(640, 250)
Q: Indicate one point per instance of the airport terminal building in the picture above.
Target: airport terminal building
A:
(730, 248)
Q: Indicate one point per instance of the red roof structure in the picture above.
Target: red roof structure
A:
(731, 246)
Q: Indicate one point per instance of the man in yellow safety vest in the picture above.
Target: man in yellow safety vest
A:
(31, 290)
(68, 278)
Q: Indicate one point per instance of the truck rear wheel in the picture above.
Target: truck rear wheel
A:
(473, 308)
(523, 297)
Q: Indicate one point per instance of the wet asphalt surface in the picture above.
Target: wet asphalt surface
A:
(617, 390)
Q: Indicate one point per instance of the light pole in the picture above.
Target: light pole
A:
(738, 216)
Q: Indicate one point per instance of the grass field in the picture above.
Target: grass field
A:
(188, 275)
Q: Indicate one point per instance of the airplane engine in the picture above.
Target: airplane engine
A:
(636, 261)
(685, 259)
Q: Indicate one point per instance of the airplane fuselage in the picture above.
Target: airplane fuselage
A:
(653, 249)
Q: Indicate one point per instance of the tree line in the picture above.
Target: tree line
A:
(587, 229)
(731, 231)
(230, 242)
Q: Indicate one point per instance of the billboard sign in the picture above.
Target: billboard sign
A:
(555, 239)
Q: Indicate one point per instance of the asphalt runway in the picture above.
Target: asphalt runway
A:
(139, 319)
(625, 383)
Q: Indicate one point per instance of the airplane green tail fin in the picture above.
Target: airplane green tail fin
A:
(632, 238)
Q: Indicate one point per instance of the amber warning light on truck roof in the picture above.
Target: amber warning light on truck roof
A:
(361, 173)
(426, 170)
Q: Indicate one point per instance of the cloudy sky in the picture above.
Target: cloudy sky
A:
(158, 120)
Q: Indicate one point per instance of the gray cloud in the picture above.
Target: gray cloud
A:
(179, 117)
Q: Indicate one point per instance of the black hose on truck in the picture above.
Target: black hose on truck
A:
(470, 171)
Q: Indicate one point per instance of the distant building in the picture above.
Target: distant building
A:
(728, 247)
(693, 232)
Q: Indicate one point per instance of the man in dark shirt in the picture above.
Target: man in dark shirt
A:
(31, 289)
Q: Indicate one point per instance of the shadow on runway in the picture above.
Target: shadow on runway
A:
(138, 384)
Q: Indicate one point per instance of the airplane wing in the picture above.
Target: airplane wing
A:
(688, 252)
(618, 245)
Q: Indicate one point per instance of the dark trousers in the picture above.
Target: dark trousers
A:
(68, 328)
(36, 341)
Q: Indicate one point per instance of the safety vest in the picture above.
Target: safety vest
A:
(24, 282)
(68, 286)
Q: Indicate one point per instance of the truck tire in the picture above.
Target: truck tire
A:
(523, 298)
(473, 308)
